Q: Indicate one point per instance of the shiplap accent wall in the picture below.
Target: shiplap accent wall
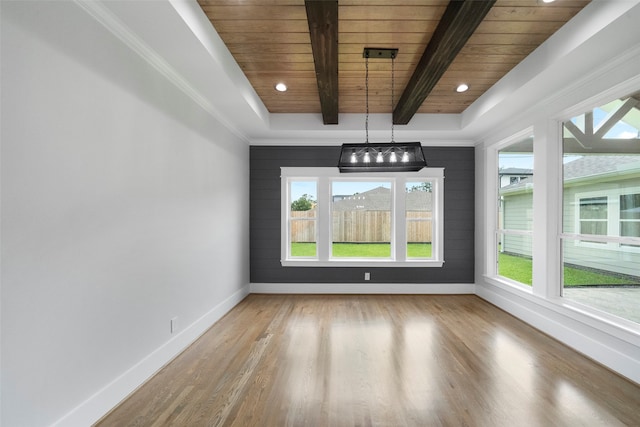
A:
(266, 162)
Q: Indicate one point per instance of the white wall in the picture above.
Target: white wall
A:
(124, 204)
(603, 67)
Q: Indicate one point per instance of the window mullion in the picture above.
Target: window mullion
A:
(285, 220)
(324, 219)
(398, 215)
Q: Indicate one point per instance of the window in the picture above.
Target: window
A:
(363, 219)
(613, 213)
(419, 219)
(515, 211)
(630, 216)
(303, 219)
(593, 215)
(601, 208)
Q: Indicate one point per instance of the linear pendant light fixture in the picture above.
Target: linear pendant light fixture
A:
(386, 156)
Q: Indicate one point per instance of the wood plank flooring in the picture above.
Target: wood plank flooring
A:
(377, 360)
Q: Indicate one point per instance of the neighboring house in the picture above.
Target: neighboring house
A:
(379, 199)
(511, 176)
(601, 197)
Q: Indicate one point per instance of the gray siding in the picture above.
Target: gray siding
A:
(265, 220)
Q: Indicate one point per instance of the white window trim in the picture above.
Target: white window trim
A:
(324, 176)
(493, 195)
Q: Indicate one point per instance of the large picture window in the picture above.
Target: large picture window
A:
(601, 208)
(361, 219)
(330, 219)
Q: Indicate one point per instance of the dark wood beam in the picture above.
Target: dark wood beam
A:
(459, 21)
(322, 16)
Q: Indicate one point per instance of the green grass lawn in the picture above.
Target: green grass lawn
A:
(519, 269)
(513, 267)
(362, 250)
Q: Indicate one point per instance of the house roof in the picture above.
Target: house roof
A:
(515, 171)
(587, 167)
(379, 199)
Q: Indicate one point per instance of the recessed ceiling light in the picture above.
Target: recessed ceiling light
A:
(462, 88)
(548, 1)
(281, 87)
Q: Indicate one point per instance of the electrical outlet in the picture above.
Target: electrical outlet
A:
(174, 325)
(367, 276)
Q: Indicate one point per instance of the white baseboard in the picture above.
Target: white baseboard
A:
(96, 406)
(605, 343)
(363, 288)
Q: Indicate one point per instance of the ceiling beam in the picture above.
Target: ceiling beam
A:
(322, 16)
(459, 21)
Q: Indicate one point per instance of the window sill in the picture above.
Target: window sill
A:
(507, 283)
(360, 263)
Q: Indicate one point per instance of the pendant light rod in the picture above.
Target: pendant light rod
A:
(377, 53)
(393, 79)
(366, 97)
(386, 156)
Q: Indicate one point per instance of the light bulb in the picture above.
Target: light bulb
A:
(405, 157)
(353, 157)
(379, 158)
(392, 157)
(367, 159)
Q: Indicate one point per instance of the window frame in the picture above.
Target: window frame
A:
(580, 197)
(291, 219)
(324, 177)
(613, 240)
(499, 230)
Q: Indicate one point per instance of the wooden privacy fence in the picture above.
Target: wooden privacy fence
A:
(361, 226)
(303, 230)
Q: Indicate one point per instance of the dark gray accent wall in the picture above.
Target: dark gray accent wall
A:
(458, 164)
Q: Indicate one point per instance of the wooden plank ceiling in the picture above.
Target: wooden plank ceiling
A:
(270, 40)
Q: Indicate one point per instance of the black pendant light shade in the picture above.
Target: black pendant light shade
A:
(382, 157)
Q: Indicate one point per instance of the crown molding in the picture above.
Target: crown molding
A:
(98, 11)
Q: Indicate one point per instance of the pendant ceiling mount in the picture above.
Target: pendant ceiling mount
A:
(381, 53)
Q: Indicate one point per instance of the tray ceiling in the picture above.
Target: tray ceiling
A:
(270, 41)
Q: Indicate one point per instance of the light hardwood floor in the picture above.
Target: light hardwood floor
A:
(376, 360)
